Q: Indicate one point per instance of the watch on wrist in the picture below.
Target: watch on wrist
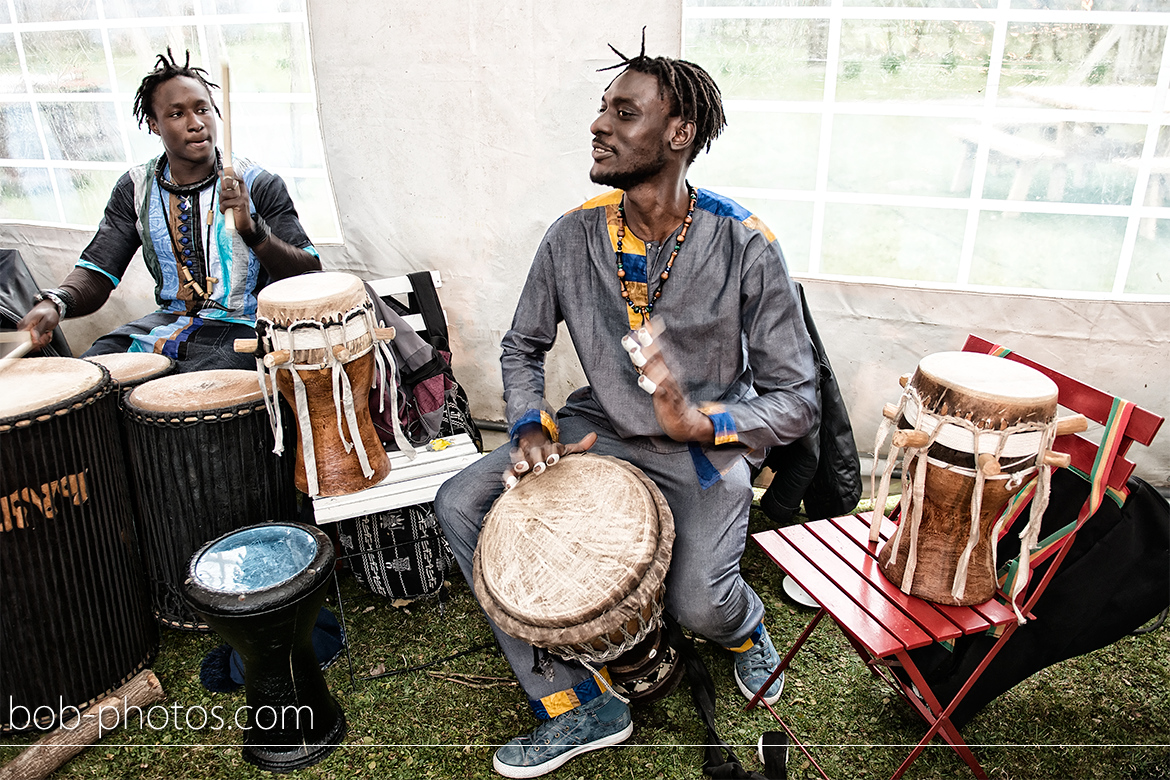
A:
(55, 297)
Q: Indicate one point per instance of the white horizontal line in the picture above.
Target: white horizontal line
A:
(1155, 18)
(945, 286)
(151, 21)
(940, 109)
(238, 98)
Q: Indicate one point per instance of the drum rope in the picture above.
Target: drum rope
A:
(385, 371)
(272, 404)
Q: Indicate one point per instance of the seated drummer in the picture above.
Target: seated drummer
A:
(732, 365)
(173, 209)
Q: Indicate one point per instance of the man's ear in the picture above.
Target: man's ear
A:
(152, 126)
(683, 134)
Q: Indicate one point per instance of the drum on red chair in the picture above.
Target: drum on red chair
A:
(575, 561)
(260, 588)
(984, 425)
(201, 458)
(130, 369)
(317, 335)
(74, 613)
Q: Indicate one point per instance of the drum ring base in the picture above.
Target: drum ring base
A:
(267, 758)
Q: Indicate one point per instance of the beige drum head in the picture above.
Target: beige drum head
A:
(989, 378)
(197, 391)
(562, 548)
(32, 384)
(127, 367)
(316, 296)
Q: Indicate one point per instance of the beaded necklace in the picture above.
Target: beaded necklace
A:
(189, 238)
(682, 236)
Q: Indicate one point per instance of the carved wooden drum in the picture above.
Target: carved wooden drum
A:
(976, 429)
(575, 561)
(317, 335)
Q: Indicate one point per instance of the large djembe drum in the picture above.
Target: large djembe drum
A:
(318, 336)
(260, 588)
(130, 369)
(74, 615)
(201, 457)
(575, 561)
(975, 429)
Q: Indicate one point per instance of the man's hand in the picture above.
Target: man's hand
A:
(537, 452)
(40, 322)
(233, 194)
(676, 416)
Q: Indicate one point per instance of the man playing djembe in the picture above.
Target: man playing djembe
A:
(729, 334)
(175, 208)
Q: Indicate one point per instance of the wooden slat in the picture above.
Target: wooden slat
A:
(864, 565)
(845, 612)
(867, 595)
(400, 285)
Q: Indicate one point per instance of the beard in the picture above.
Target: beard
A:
(638, 172)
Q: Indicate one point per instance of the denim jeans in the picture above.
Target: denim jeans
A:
(704, 589)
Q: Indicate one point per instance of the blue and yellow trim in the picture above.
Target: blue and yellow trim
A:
(725, 430)
(559, 703)
(540, 416)
(750, 642)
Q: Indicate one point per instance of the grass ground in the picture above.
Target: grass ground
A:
(1102, 715)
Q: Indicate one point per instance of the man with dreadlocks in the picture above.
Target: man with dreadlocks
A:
(173, 208)
(729, 373)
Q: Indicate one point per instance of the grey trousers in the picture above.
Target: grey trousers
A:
(704, 589)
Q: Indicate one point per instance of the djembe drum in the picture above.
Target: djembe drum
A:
(260, 588)
(202, 464)
(74, 614)
(130, 369)
(575, 561)
(317, 335)
(975, 428)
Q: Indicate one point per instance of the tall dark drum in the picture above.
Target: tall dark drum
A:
(74, 614)
(130, 369)
(260, 588)
(202, 463)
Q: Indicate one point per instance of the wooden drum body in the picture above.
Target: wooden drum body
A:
(989, 421)
(261, 588)
(575, 561)
(74, 614)
(200, 454)
(318, 336)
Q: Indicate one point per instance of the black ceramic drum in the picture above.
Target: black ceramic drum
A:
(202, 463)
(74, 613)
(260, 588)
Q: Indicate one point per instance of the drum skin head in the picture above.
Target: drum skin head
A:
(986, 387)
(197, 391)
(39, 383)
(316, 296)
(128, 367)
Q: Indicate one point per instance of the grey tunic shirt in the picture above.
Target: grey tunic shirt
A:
(734, 335)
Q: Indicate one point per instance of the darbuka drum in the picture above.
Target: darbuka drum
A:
(74, 616)
(130, 369)
(317, 334)
(988, 423)
(202, 463)
(575, 561)
(260, 588)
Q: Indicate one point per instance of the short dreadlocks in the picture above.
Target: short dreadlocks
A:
(692, 92)
(165, 69)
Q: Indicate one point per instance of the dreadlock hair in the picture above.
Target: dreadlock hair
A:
(165, 69)
(692, 92)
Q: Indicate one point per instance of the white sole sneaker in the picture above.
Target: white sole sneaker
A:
(750, 694)
(522, 772)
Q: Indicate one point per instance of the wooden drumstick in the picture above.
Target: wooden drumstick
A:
(23, 336)
(229, 173)
(47, 754)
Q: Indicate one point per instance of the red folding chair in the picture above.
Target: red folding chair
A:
(834, 561)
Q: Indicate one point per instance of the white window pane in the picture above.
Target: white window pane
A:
(278, 135)
(897, 155)
(11, 79)
(263, 57)
(1080, 55)
(66, 61)
(18, 133)
(120, 9)
(753, 3)
(314, 201)
(253, 6)
(777, 59)
(916, 3)
(27, 193)
(136, 49)
(758, 149)
(143, 145)
(1090, 5)
(790, 222)
(913, 60)
(5, 18)
(54, 10)
(84, 194)
(81, 131)
(893, 242)
(1047, 251)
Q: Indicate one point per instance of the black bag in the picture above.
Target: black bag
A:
(822, 468)
(17, 289)
(1114, 579)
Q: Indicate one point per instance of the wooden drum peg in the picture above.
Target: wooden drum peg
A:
(1058, 460)
(245, 345)
(911, 439)
(276, 358)
(890, 411)
(1074, 424)
(384, 334)
(904, 380)
(989, 465)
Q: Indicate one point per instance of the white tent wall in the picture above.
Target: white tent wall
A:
(456, 132)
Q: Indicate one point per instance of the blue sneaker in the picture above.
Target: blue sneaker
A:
(754, 665)
(599, 723)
